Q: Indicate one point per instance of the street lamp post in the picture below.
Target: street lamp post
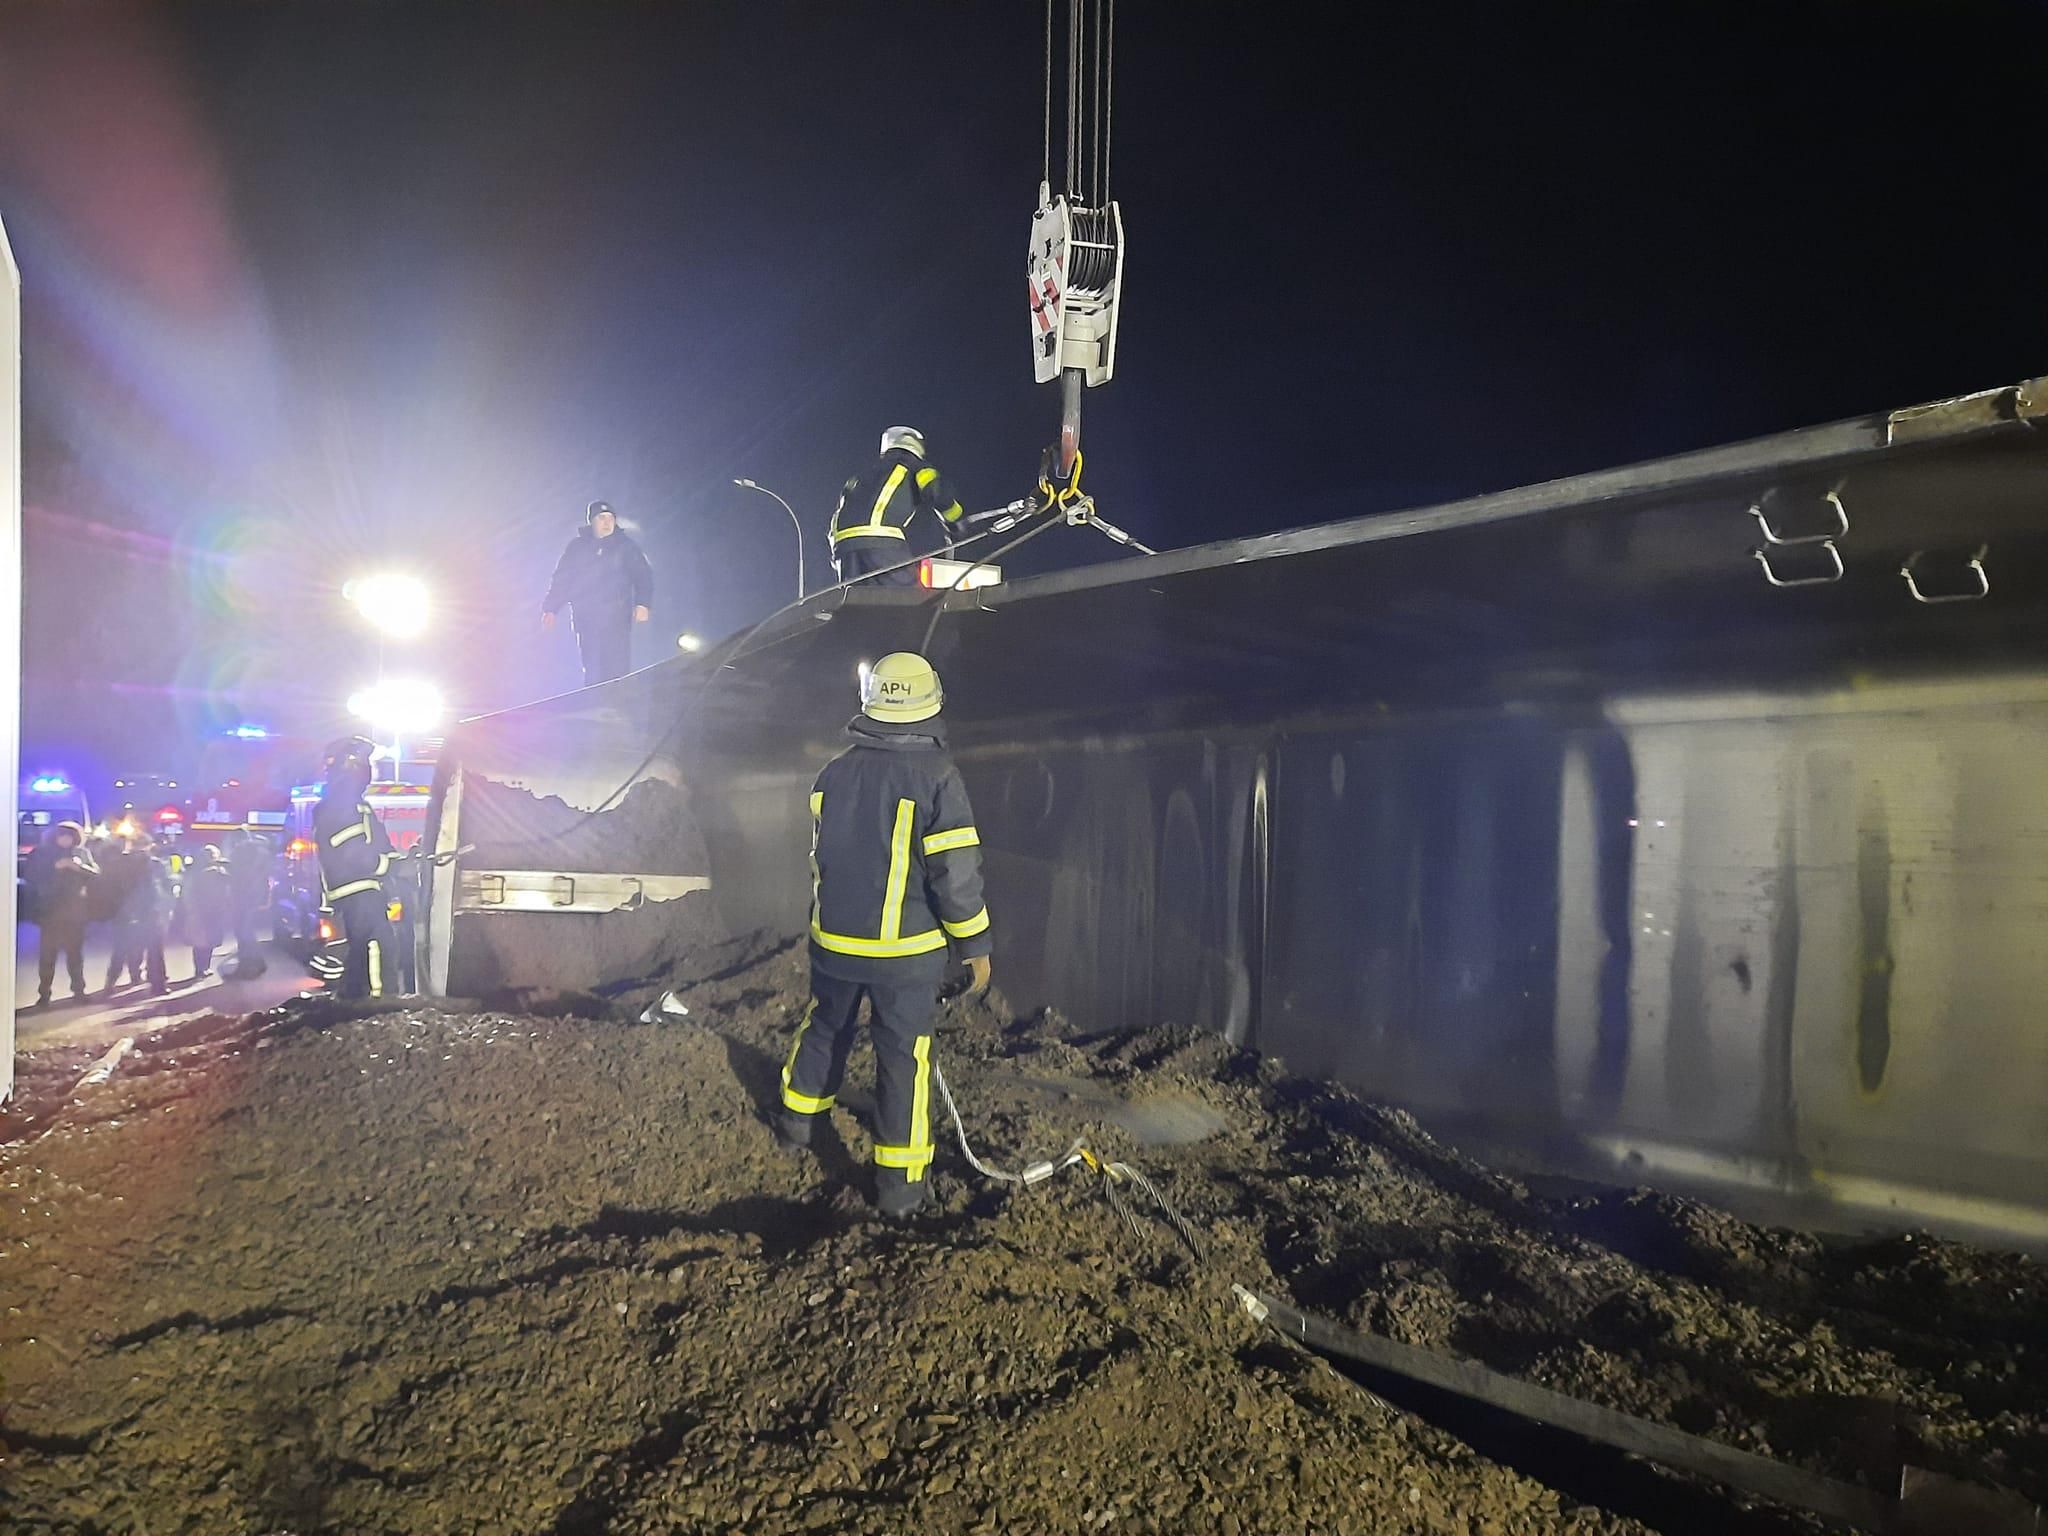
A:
(749, 485)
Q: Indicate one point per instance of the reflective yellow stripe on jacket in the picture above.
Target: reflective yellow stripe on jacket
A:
(891, 942)
(877, 526)
(951, 512)
(959, 837)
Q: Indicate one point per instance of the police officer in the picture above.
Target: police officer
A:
(355, 855)
(898, 882)
(607, 584)
(870, 525)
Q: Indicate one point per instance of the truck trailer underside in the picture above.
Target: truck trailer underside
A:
(1678, 825)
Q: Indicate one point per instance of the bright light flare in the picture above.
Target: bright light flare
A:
(398, 706)
(690, 644)
(394, 604)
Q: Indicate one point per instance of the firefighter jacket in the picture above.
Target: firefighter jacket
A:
(895, 861)
(881, 503)
(601, 580)
(355, 850)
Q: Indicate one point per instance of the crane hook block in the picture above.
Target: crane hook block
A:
(1076, 273)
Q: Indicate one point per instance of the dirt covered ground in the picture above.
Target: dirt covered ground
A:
(441, 1271)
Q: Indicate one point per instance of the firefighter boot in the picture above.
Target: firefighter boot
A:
(792, 1132)
(897, 1198)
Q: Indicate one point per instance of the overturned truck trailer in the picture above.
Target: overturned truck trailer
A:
(1682, 824)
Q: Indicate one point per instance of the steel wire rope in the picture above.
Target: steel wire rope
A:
(1074, 128)
(1095, 103)
(939, 606)
(1109, 104)
(1048, 94)
(737, 654)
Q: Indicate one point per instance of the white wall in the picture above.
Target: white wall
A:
(10, 611)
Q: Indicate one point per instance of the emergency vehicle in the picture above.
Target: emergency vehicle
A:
(46, 799)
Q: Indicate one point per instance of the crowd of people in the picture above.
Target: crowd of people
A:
(125, 881)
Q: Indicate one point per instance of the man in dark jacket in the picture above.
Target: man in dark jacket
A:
(871, 525)
(897, 881)
(608, 586)
(61, 874)
(355, 856)
(143, 897)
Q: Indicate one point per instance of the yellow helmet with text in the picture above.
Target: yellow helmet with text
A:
(901, 688)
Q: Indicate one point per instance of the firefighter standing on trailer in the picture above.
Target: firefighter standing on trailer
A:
(870, 524)
(355, 855)
(897, 881)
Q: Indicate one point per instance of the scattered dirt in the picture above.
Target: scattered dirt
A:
(430, 1270)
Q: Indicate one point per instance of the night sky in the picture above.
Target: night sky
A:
(318, 289)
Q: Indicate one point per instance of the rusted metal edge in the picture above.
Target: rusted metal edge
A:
(1925, 1507)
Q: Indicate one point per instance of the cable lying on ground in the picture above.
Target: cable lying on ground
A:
(1113, 1174)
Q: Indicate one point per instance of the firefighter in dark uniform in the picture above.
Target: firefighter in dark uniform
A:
(607, 584)
(355, 855)
(870, 526)
(897, 882)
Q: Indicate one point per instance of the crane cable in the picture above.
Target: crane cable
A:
(1090, 94)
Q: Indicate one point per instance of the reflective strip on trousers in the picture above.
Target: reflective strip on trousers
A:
(917, 1156)
(802, 1103)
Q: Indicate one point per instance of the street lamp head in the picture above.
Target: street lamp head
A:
(747, 485)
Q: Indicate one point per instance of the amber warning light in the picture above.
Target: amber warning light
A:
(959, 575)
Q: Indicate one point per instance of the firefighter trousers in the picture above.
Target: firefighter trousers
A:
(858, 558)
(366, 968)
(900, 1025)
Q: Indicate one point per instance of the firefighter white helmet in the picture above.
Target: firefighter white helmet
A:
(901, 687)
(909, 439)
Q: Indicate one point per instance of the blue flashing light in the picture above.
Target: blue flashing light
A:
(49, 784)
(250, 733)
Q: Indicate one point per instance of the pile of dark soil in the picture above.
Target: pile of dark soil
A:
(436, 1271)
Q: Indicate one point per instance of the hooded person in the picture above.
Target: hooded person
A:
(61, 874)
(896, 872)
(607, 585)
